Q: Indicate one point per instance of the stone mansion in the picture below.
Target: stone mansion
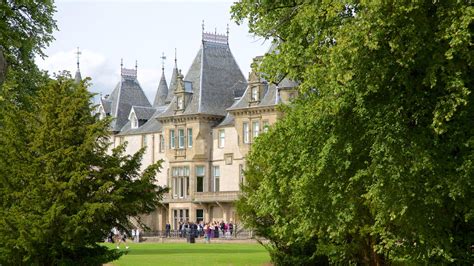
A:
(201, 125)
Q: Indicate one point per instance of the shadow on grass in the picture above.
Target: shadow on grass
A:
(190, 251)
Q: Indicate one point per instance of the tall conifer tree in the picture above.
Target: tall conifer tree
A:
(61, 190)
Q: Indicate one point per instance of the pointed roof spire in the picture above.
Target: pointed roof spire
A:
(174, 78)
(175, 59)
(162, 92)
(163, 58)
(78, 54)
(78, 76)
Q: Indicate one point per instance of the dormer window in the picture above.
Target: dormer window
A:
(134, 121)
(180, 103)
(255, 94)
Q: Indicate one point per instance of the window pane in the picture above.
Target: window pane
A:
(255, 128)
(246, 132)
(199, 215)
(186, 171)
(221, 138)
(200, 184)
(190, 137)
(162, 143)
(181, 138)
(265, 126)
(199, 170)
(172, 139)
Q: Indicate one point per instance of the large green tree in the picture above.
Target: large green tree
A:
(26, 28)
(61, 191)
(374, 163)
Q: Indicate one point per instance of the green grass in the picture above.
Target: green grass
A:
(192, 254)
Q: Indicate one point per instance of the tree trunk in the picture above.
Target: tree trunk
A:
(3, 67)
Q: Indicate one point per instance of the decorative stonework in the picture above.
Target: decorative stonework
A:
(215, 38)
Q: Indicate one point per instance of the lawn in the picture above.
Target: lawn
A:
(193, 254)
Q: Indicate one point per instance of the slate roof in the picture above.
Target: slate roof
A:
(151, 126)
(143, 113)
(126, 94)
(228, 121)
(107, 105)
(270, 96)
(161, 92)
(215, 76)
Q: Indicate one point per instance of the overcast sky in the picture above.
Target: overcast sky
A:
(106, 31)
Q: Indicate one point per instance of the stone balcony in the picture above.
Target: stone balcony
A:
(204, 197)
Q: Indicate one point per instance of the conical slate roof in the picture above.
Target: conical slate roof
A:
(78, 77)
(172, 88)
(126, 94)
(162, 92)
(214, 75)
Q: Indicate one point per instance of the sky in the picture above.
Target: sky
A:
(141, 30)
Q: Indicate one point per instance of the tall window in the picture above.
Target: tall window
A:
(265, 125)
(255, 129)
(180, 176)
(241, 173)
(221, 141)
(199, 178)
(134, 121)
(172, 143)
(199, 215)
(162, 143)
(216, 175)
(255, 94)
(246, 132)
(181, 138)
(180, 215)
(144, 141)
(190, 137)
(180, 103)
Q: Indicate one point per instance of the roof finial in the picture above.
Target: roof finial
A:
(227, 33)
(121, 66)
(163, 57)
(136, 67)
(78, 54)
(202, 26)
(175, 59)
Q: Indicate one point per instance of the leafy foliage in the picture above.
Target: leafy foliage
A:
(61, 191)
(375, 160)
(25, 30)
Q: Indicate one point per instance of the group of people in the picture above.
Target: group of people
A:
(117, 236)
(207, 230)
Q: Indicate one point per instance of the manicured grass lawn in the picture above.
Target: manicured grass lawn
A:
(193, 254)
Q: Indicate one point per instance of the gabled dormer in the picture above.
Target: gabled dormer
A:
(139, 115)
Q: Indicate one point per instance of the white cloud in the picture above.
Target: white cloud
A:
(104, 73)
